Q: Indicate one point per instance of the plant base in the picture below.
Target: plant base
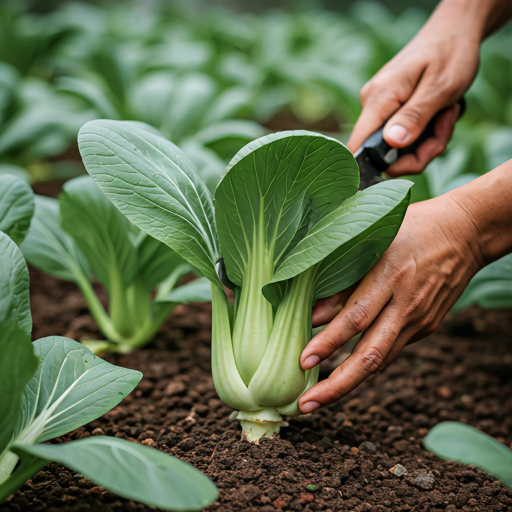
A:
(262, 423)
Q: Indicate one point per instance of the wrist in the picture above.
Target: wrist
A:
(486, 204)
(470, 18)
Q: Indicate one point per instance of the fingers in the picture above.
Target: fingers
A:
(374, 114)
(407, 124)
(435, 146)
(326, 309)
(361, 309)
(367, 358)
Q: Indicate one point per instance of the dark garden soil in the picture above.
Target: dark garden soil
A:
(337, 459)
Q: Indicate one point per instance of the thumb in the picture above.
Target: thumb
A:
(407, 124)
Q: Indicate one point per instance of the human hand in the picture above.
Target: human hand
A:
(430, 73)
(401, 300)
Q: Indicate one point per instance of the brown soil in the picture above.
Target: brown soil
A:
(323, 460)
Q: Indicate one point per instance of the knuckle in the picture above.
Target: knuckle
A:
(372, 359)
(333, 391)
(413, 115)
(446, 83)
(331, 343)
(357, 317)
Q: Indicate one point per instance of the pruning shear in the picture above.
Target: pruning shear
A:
(373, 157)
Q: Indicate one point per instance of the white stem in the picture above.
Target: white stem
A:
(262, 423)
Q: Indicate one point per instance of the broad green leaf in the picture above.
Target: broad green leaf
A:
(455, 441)
(14, 290)
(269, 187)
(103, 234)
(176, 105)
(198, 290)
(132, 471)
(48, 247)
(16, 206)
(89, 92)
(490, 288)
(227, 137)
(352, 218)
(17, 365)
(351, 261)
(156, 260)
(153, 183)
(70, 388)
(15, 170)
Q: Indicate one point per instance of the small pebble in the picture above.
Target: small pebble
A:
(422, 480)
(98, 432)
(398, 470)
(148, 442)
(367, 447)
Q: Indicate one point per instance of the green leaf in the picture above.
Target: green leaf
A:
(17, 365)
(337, 229)
(455, 441)
(198, 290)
(48, 247)
(154, 184)
(103, 234)
(14, 286)
(70, 388)
(16, 206)
(490, 288)
(89, 92)
(132, 471)
(269, 187)
(156, 260)
(352, 260)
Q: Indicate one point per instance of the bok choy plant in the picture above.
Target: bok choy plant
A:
(289, 226)
(83, 233)
(55, 385)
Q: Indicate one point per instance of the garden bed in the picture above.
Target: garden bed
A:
(323, 461)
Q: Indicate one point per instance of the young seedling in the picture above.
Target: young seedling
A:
(81, 234)
(55, 385)
(456, 441)
(290, 226)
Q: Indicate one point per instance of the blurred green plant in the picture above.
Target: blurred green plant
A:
(456, 441)
(83, 234)
(209, 79)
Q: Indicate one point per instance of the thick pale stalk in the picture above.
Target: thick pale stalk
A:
(8, 462)
(280, 379)
(227, 380)
(253, 322)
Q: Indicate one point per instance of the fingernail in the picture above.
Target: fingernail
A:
(397, 133)
(310, 361)
(309, 407)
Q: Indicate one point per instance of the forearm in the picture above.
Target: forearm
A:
(487, 204)
(478, 18)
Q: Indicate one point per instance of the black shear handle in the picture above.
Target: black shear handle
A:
(382, 155)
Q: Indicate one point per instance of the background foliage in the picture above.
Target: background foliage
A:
(213, 76)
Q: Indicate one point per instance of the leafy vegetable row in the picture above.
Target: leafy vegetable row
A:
(55, 385)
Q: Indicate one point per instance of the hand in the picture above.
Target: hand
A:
(432, 72)
(401, 300)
